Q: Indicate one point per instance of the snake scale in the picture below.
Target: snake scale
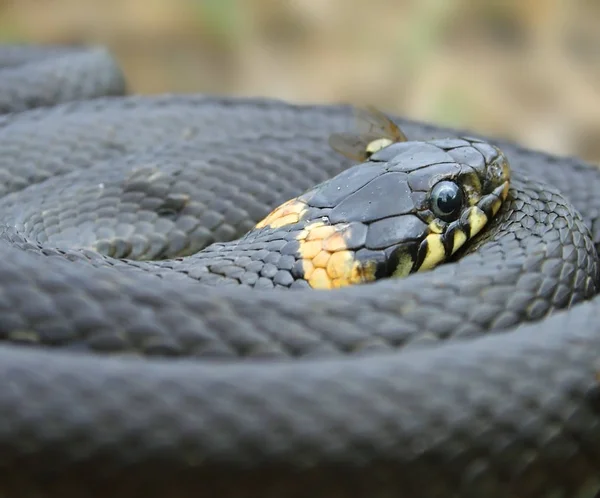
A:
(479, 378)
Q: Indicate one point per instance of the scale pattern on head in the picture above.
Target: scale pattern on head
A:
(407, 208)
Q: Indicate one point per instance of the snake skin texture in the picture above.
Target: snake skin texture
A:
(131, 378)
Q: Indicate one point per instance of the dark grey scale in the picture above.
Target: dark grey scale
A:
(391, 231)
(209, 278)
(300, 284)
(286, 262)
(237, 261)
(231, 271)
(449, 143)
(355, 235)
(172, 205)
(219, 267)
(468, 155)
(175, 195)
(149, 181)
(424, 179)
(187, 223)
(263, 283)
(273, 258)
(259, 255)
(332, 192)
(290, 248)
(178, 243)
(283, 278)
(157, 244)
(243, 260)
(269, 270)
(408, 156)
(252, 243)
(297, 270)
(225, 232)
(275, 245)
(389, 189)
(420, 200)
(489, 152)
(249, 278)
(253, 235)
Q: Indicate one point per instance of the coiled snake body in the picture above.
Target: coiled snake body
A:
(478, 378)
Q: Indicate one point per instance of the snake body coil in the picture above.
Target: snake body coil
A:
(434, 385)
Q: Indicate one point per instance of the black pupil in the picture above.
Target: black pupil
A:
(447, 198)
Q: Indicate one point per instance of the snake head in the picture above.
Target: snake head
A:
(408, 208)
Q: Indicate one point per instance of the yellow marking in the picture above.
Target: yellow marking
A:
(505, 190)
(319, 279)
(405, 264)
(308, 250)
(292, 211)
(327, 263)
(362, 272)
(308, 268)
(303, 235)
(377, 145)
(341, 270)
(288, 219)
(340, 265)
(477, 220)
(435, 252)
(321, 232)
(321, 259)
(307, 230)
(496, 206)
(344, 270)
(335, 242)
(460, 238)
(436, 226)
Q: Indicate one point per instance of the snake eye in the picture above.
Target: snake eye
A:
(446, 199)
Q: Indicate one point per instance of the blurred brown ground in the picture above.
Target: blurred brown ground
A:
(525, 70)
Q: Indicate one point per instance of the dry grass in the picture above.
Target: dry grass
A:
(529, 71)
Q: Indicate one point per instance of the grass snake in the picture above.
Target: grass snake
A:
(126, 376)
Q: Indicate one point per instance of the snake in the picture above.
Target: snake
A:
(199, 296)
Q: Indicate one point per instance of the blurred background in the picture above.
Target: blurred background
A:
(527, 70)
